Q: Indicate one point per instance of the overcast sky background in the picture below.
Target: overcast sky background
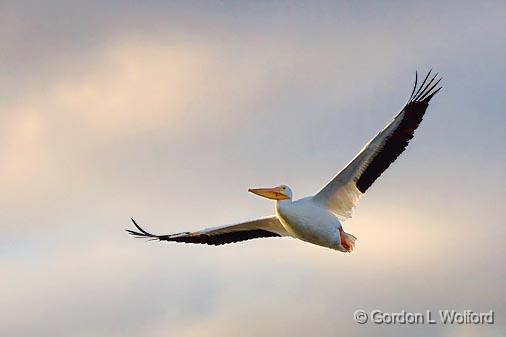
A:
(168, 113)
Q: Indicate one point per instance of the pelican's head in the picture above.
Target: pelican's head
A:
(281, 192)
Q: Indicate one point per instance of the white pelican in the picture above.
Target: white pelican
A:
(316, 219)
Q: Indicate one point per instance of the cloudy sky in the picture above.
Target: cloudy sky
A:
(168, 112)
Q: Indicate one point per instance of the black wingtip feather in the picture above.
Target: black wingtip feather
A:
(142, 234)
(421, 87)
(420, 94)
(428, 92)
(429, 97)
(141, 230)
(427, 89)
(414, 87)
(134, 233)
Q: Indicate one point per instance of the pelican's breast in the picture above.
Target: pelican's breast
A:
(309, 222)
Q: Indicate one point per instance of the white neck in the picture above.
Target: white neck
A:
(283, 202)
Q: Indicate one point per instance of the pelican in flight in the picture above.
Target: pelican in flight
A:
(317, 219)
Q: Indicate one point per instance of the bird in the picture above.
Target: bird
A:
(317, 219)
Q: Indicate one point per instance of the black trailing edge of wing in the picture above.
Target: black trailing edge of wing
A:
(399, 139)
(208, 239)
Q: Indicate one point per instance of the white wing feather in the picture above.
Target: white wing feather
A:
(341, 194)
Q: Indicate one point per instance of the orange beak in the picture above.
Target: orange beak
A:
(275, 193)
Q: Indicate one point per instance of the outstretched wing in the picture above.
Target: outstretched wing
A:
(259, 228)
(342, 193)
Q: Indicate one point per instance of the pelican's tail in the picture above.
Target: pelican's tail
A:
(347, 241)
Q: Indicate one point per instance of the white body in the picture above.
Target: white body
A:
(306, 220)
